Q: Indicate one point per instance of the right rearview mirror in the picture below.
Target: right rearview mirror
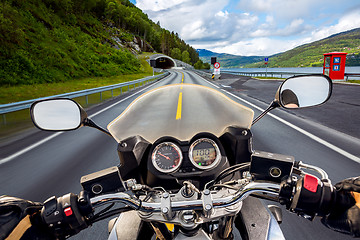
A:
(304, 91)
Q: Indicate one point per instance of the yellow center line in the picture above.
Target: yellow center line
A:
(182, 80)
(178, 112)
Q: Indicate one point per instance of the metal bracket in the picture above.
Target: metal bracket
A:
(166, 206)
(207, 203)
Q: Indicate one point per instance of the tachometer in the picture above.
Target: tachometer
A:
(166, 157)
(204, 153)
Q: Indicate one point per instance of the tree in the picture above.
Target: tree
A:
(176, 53)
(206, 66)
(199, 64)
(186, 57)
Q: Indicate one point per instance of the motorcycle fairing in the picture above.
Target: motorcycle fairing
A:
(156, 113)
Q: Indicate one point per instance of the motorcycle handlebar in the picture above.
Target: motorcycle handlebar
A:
(307, 196)
(254, 187)
(69, 214)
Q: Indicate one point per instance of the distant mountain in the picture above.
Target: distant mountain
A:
(307, 55)
(228, 60)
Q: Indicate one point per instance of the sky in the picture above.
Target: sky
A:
(252, 27)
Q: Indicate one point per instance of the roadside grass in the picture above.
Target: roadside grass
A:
(18, 121)
(25, 92)
(270, 78)
(354, 81)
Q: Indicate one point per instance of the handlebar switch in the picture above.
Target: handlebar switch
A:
(62, 215)
(84, 204)
(286, 191)
(50, 206)
(309, 197)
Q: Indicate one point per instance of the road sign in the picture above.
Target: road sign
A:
(266, 59)
(213, 60)
(153, 63)
(216, 65)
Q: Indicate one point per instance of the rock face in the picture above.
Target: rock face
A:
(120, 40)
(136, 46)
(139, 45)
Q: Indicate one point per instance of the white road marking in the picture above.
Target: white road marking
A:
(306, 133)
(25, 150)
(211, 83)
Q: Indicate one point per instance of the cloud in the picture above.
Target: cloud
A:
(158, 5)
(285, 9)
(252, 27)
(197, 20)
(182, 15)
(349, 21)
(256, 47)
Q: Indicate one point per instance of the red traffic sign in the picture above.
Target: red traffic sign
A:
(216, 65)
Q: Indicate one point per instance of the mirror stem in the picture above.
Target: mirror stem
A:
(274, 104)
(88, 122)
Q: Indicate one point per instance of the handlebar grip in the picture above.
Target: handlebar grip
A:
(310, 196)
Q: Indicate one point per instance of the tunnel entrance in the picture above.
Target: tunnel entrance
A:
(164, 62)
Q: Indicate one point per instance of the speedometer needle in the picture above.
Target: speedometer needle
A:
(165, 156)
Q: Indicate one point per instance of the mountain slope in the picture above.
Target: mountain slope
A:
(51, 41)
(228, 60)
(311, 55)
(44, 41)
(308, 55)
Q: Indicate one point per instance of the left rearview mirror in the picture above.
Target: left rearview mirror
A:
(57, 114)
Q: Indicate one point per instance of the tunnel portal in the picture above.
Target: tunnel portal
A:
(164, 62)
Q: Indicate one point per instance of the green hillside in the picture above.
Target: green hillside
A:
(46, 41)
(311, 55)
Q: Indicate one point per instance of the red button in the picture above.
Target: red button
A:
(68, 211)
(310, 183)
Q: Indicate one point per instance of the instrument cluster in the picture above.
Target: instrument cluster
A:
(169, 156)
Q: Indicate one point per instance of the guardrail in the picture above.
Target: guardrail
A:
(202, 73)
(266, 74)
(281, 74)
(17, 106)
(347, 75)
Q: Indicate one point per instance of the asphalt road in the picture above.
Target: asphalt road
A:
(55, 166)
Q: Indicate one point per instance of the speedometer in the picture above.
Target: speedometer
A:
(204, 153)
(166, 157)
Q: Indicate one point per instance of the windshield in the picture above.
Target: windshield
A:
(179, 111)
